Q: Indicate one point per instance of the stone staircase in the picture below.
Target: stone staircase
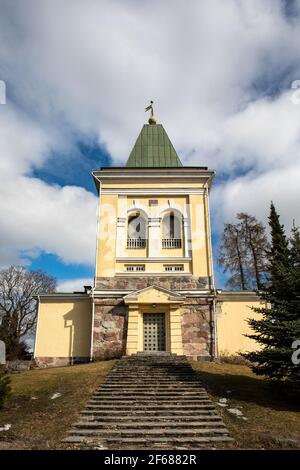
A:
(150, 401)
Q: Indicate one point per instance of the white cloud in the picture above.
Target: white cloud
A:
(253, 194)
(77, 68)
(96, 70)
(74, 285)
(37, 216)
(56, 220)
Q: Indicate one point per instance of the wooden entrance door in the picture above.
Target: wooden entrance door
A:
(154, 332)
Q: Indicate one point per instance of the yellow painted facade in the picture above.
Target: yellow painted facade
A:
(192, 207)
(64, 328)
(232, 325)
(152, 267)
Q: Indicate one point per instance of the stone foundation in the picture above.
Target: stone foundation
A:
(60, 361)
(110, 329)
(196, 327)
(111, 314)
(166, 282)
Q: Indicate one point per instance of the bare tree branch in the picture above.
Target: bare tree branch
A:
(17, 305)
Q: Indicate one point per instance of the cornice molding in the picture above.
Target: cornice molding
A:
(153, 191)
(153, 260)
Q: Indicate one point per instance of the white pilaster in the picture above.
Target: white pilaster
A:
(121, 236)
(154, 239)
(186, 237)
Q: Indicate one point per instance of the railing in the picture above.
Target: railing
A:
(136, 242)
(171, 242)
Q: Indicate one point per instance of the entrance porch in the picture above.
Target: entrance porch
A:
(154, 321)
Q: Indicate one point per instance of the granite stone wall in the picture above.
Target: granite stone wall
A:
(140, 282)
(110, 328)
(111, 315)
(196, 327)
(59, 361)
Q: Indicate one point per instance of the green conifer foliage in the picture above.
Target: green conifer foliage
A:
(279, 325)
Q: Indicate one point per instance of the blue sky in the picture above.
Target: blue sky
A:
(76, 92)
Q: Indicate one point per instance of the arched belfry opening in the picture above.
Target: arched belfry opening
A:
(136, 230)
(171, 230)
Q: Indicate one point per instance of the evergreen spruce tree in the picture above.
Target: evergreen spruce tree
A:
(279, 325)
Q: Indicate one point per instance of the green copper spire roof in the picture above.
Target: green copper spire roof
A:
(153, 149)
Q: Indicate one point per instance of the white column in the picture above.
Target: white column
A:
(186, 237)
(121, 237)
(154, 239)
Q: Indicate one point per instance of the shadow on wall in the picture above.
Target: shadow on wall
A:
(80, 327)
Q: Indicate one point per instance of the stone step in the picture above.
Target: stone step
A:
(153, 389)
(161, 387)
(109, 416)
(147, 402)
(154, 403)
(151, 441)
(149, 406)
(170, 382)
(143, 384)
(150, 384)
(148, 432)
(144, 396)
(95, 424)
(150, 393)
(172, 368)
(145, 376)
(155, 378)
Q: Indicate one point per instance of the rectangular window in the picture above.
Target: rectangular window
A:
(153, 202)
(135, 267)
(173, 267)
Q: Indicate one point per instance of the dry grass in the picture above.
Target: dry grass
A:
(41, 423)
(273, 422)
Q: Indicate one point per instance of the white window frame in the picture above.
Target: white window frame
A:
(173, 267)
(134, 268)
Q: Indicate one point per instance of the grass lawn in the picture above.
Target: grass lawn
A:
(41, 423)
(273, 422)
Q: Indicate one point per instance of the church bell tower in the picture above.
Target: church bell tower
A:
(154, 273)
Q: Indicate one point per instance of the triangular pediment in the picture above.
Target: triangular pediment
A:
(153, 294)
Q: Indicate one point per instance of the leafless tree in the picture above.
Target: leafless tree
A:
(232, 256)
(243, 252)
(255, 239)
(17, 305)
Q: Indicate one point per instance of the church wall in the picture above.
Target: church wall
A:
(173, 282)
(232, 325)
(196, 328)
(106, 243)
(110, 328)
(192, 206)
(154, 267)
(200, 235)
(63, 331)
